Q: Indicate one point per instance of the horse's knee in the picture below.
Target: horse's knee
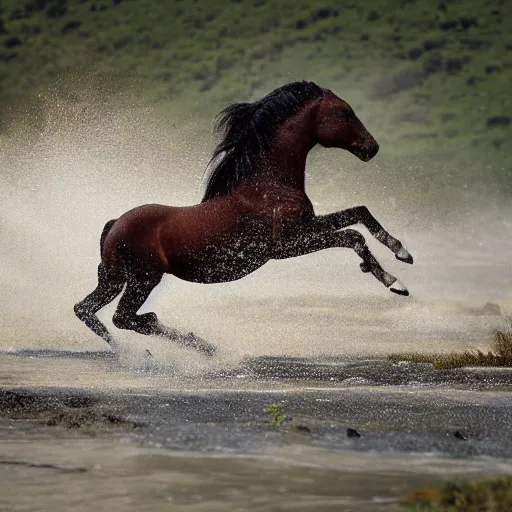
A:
(364, 213)
(112, 279)
(80, 311)
(353, 239)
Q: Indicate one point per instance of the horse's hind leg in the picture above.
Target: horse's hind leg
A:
(109, 287)
(138, 288)
(361, 214)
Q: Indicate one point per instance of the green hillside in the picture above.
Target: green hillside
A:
(430, 75)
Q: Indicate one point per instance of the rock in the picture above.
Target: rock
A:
(419, 136)
(122, 43)
(498, 121)
(418, 116)
(467, 22)
(492, 69)
(373, 16)
(6, 57)
(30, 30)
(459, 435)
(433, 65)
(448, 116)
(415, 53)
(322, 14)
(475, 44)
(36, 5)
(70, 27)
(12, 42)
(352, 432)
(472, 80)
(402, 80)
(97, 7)
(302, 428)
(448, 25)
(454, 65)
(433, 44)
(492, 309)
(56, 11)
(18, 14)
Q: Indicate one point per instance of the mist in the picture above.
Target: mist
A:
(88, 162)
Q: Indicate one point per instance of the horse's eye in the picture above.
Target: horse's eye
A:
(345, 114)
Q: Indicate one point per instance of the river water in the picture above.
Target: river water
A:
(41, 471)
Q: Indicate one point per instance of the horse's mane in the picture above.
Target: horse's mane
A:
(247, 131)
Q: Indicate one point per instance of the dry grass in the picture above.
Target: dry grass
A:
(493, 495)
(499, 355)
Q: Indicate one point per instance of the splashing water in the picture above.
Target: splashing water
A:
(89, 162)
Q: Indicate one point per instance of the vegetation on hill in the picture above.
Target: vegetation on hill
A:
(428, 76)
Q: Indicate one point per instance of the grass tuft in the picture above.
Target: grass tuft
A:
(276, 418)
(491, 495)
(500, 354)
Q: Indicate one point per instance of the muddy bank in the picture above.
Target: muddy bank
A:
(72, 412)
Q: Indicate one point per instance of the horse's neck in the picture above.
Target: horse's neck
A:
(285, 163)
(283, 167)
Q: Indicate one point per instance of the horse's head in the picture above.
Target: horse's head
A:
(337, 126)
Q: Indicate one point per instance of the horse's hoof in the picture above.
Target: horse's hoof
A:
(364, 267)
(398, 288)
(404, 255)
(193, 341)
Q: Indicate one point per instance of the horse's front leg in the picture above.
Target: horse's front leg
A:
(316, 239)
(361, 215)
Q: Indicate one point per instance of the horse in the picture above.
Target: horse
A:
(254, 209)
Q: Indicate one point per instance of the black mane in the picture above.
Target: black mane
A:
(247, 130)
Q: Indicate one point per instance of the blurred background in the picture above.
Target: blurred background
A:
(108, 104)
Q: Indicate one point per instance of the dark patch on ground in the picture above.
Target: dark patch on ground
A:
(75, 411)
(67, 354)
(60, 469)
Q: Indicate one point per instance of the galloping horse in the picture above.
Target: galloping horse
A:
(255, 209)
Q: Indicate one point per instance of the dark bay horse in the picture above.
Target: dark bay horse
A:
(255, 209)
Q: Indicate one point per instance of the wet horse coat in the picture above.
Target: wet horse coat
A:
(255, 209)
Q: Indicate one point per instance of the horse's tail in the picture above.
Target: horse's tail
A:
(104, 233)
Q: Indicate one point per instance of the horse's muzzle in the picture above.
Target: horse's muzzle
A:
(366, 151)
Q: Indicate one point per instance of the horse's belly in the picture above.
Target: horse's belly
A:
(220, 265)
